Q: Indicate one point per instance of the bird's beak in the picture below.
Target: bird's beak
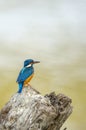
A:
(36, 62)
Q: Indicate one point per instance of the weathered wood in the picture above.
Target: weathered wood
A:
(32, 111)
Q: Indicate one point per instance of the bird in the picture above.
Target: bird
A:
(26, 73)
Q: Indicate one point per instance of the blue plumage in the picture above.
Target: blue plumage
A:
(20, 87)
(25, 73)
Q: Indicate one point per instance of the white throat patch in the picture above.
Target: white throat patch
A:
(28, 65)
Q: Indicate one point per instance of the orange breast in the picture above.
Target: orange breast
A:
(28, 79)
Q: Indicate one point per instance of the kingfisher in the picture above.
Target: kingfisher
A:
(26, 73)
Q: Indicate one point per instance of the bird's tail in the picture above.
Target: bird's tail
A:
(20, 87)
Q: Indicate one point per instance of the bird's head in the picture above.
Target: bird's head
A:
(30, 62)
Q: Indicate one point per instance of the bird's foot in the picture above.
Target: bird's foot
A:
(25, 85)
(29, 85)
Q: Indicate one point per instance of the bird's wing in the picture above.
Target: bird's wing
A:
(24, 74)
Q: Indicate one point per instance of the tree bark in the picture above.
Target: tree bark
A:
(32, 111)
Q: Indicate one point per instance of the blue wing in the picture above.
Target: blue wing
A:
(24, 74)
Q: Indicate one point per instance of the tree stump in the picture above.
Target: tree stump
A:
(30, 110)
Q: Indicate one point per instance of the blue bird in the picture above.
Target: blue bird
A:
(26, 73)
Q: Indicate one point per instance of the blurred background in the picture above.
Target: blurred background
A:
(54, 32)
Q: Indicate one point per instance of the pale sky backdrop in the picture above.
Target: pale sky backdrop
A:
(21, 17)
(41, 23)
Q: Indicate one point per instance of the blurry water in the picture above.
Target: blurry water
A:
(54, 33)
